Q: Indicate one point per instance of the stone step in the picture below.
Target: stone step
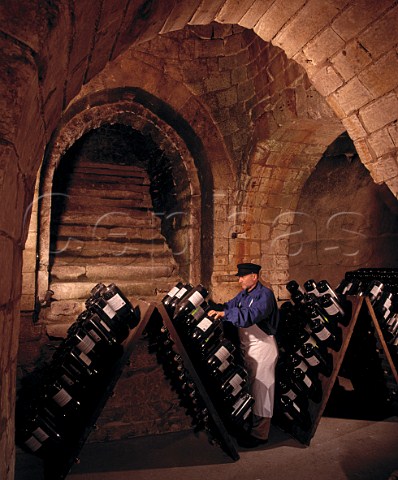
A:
(147, 258)
(126, 207)
(93, 273)
(144, 287)
(110, 233)
(142, 196)
(88, 204)
(110, 218)
(84, 177)
(105, 167)
(117, 247)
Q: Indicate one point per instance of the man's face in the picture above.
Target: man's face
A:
(248, 281)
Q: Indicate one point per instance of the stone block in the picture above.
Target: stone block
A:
(211, 48)
(381, 142)
(256, 11)
(55, 57)
(382, 35)
(274, 18)
(393, 132)
(29, 260)
(180, 15)
(228, 97)
(354, 127)
(382, 76)
(379, 113)
(206, 12)
(384, 169)
(326, 80)
(231, 12)
(218, 82)
(221, 260)
(352, 96)
(305, 25)
(8, 274)
(238, 75)
(28, 283)
(351, 60)
(357, 16)
(27, 302)
(64, 308)
(323, 46)
(58, 330)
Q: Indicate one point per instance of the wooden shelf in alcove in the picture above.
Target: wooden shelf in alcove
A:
(316, 409)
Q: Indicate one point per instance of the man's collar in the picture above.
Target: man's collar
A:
(255, 286)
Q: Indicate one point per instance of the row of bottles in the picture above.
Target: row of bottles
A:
(310, 330)
(56, 401)
(213, 356)
(380, 286)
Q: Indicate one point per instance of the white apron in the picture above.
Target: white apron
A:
(260, 353)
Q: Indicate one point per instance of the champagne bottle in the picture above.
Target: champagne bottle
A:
(333, 309)
(287, 388)
(167, 299)
(77, 362)
(97, 290)
(297, 298)
(374, 290)
(233, 384)
(206, 334)
(59, 401)
(302, 372)
(383, 305)
(322, 361)
(323, 287)
(294, 414)
(109, 317)
(194, 299)
(293, 287)
(220, 358)
(323, 330)
(187, 322)
(37, 433)
(241, 408)
(310, 286)
(178, 297)
(121, 305)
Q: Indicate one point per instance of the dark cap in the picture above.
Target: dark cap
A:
(246, 268)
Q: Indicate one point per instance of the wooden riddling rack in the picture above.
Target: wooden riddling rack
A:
(218, 429)
(146, 310)
(61, 467)
(359, 305)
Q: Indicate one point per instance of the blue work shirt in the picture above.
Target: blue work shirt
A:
(257, 307)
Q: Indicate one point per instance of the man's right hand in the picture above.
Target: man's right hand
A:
(215, 314)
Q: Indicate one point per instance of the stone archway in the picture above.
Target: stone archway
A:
(140, 119)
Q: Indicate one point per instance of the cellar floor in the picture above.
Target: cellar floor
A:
(341, 449)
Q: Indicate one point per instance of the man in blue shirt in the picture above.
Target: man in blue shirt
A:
(255, 312)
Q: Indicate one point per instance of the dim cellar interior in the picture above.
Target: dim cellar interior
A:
(147, 149)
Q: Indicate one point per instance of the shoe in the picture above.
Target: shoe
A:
(248, 441)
